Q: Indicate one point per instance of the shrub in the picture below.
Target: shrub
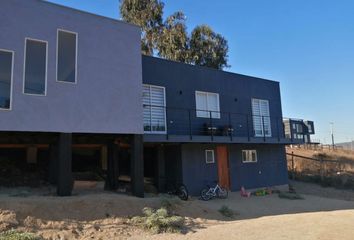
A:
(159, 221)
(14, 235)
(226, 211)
(170, 203)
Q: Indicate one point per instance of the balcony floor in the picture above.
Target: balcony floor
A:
(163, 138)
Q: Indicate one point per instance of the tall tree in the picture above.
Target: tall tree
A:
(169, 39)
(208, 48)
(173, 40)
(148, 15)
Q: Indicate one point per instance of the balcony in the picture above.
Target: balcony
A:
(166, 124)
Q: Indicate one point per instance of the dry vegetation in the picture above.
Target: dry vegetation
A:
(108, 216)
(337, 168)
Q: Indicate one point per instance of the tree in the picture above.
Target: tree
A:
(208, 48)
(169, 39)
(173, 40)
(148, 15)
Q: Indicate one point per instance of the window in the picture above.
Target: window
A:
(35, 69)
(209, 156)
(299, 128)
(261, 118)
(66, 56)
(309, 128)
(299, 136)
(207, 103)
(249, 156)
(154, 109)
(6, 74)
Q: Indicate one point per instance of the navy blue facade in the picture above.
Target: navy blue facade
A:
(269, 170)
(236, 92)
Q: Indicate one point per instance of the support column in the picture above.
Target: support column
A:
(111, 183)
(137, 165)
(161, 184)
(32, 154)
(53, 163)
(65, 178)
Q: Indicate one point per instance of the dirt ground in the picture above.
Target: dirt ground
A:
(325, 213)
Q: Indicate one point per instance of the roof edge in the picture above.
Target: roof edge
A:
(87, 13)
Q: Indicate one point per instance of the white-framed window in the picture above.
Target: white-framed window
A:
(154, 104)
(207, 104)
(67, 50)
(209, 156)
(261, 118)
(6, 78)
(249, 156)
(35, 67)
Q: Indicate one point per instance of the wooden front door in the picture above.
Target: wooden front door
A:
(223, 166)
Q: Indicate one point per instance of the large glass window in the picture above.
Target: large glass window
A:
(261, 118)
(35, 76)
(154, 109)
(207, 104)
(67, 57)
(6, 65)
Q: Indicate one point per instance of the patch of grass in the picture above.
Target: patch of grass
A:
(159, 221)
(226, 211)
(15, 235)
(291, 196)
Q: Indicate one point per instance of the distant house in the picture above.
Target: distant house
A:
(72, 81)
(299, 129)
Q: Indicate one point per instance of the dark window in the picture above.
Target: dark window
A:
(6, 58)
(66, 71)
(35, 67)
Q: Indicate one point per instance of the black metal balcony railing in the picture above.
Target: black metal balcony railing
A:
(194, 122)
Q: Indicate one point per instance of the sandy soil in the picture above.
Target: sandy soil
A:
(104, 216)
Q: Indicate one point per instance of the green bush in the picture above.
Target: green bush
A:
(15, 235)
(226, 211)
(159, 221)
(170, 203)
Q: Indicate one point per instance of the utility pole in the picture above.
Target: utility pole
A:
(332, 135)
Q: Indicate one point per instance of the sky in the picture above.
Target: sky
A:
(308, 46)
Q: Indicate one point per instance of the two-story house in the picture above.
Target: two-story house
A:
(299, 129)
(202, 125)
(73, 80)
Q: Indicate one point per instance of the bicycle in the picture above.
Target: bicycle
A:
(178, 189)
(212, 192)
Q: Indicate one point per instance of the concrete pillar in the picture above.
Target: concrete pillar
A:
(112, 167)
(104, 157)
(137, 165)
(161, 184)
(65, 178)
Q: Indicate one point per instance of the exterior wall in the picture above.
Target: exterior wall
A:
(270, 169)
(196, 172)
(173, 163)
(107, 96)
(235, 94)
